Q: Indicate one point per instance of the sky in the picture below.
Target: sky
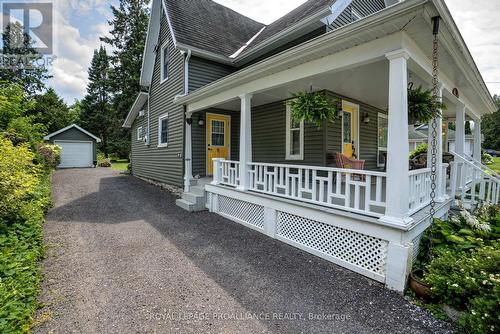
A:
(80, 23)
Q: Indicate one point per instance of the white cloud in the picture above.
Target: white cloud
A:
(74, 54)
(479, 26)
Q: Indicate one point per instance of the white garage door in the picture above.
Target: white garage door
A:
(76, 154)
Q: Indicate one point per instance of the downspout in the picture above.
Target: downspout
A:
(188, 153)
(148, 141)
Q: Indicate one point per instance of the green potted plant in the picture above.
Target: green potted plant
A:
(314, 107)
(422, 105)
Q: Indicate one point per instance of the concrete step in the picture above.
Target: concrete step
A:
(194, 198)
(198, 190)
(188, 206)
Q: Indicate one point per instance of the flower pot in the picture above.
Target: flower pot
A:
(421, 289)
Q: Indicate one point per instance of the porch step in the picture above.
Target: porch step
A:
(197, 199)
(186, 205)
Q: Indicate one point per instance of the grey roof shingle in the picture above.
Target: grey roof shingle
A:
(300, 13)
(210, 26)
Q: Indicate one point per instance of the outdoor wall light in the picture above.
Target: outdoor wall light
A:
(201, 120)
(366, 118)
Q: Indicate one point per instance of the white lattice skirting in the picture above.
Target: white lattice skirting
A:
(356, 251)
(354, 248)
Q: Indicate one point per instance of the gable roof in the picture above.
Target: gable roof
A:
(139, 103)
(70, 127)
(304, 11)
(210, 26)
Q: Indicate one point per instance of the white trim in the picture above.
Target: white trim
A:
(140, 135)
(288, 155)
(69, 127)
(171, 28)
(160, 119)
(162, 64)
(356, 15)
(142, 97)
(151, 42)
(240, 50)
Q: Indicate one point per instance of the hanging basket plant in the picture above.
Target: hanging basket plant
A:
(314, 107)
(422, 105)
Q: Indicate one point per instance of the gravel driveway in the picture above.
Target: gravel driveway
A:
(122, 258)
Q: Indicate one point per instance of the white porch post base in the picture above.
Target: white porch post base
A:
(398, 266)
(188, 157)
(270, 222)
(398, 179)
(245, 140)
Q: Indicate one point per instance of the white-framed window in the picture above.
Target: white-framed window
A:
(163, 131)
(140, 133)
(294, 137)
(382, 133)
(164, 62)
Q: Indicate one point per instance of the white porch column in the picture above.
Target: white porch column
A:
(440, 195)
(460, 129)
(188, 156)
(477, 139)
(245, 139)
(398, 182)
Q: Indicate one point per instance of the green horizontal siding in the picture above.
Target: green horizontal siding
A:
(162, 164)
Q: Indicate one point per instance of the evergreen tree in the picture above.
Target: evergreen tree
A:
(468, 130)
(97, 114)
(49, 109)
(128, 37)
(490, 127)
(21, 61)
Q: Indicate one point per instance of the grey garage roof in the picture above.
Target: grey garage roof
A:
(70, 127)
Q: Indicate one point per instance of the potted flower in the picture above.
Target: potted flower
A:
(422, 105)
(314, 107)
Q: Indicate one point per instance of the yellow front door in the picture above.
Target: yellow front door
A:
(349, 129)
(218, 136)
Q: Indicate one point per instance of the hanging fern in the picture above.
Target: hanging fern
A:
(314, 107)
(422, 106)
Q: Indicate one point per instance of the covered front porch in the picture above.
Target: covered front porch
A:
(280, 178)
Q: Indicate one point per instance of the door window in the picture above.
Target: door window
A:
(347, 119)
(218, 133)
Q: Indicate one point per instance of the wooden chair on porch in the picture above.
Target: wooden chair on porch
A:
(347, 163)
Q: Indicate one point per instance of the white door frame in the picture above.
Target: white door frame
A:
(206, 137)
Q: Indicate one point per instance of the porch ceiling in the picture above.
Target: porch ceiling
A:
(367, 83)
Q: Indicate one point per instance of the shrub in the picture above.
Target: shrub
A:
(422, 148)
(21, 248)
(470, 281)
(49, 155)
(487, 159)
(105, 163)
(18, 179)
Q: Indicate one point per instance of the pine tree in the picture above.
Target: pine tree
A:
(21, 61)
(49, 109)
(97, 114)
(128, 37)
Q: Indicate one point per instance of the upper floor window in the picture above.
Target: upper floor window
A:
(164, 62)
(294, 137)
(163, 131)
(140, 134)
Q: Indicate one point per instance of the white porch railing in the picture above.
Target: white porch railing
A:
(420, 189)
(356, 191)
(226, 172)
(471, 183)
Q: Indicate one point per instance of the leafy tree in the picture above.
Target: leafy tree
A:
(128, 37)
(97, 114)
(490, 127)
(468, 130)
(23, 61)
(49, 109)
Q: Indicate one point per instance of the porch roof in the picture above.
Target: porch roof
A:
(364, 41)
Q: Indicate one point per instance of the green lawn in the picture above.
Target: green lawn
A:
(495, 165)
(119, 165)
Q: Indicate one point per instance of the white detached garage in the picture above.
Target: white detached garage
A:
(78, 146)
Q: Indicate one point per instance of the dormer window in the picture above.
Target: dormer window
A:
(164, 62)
